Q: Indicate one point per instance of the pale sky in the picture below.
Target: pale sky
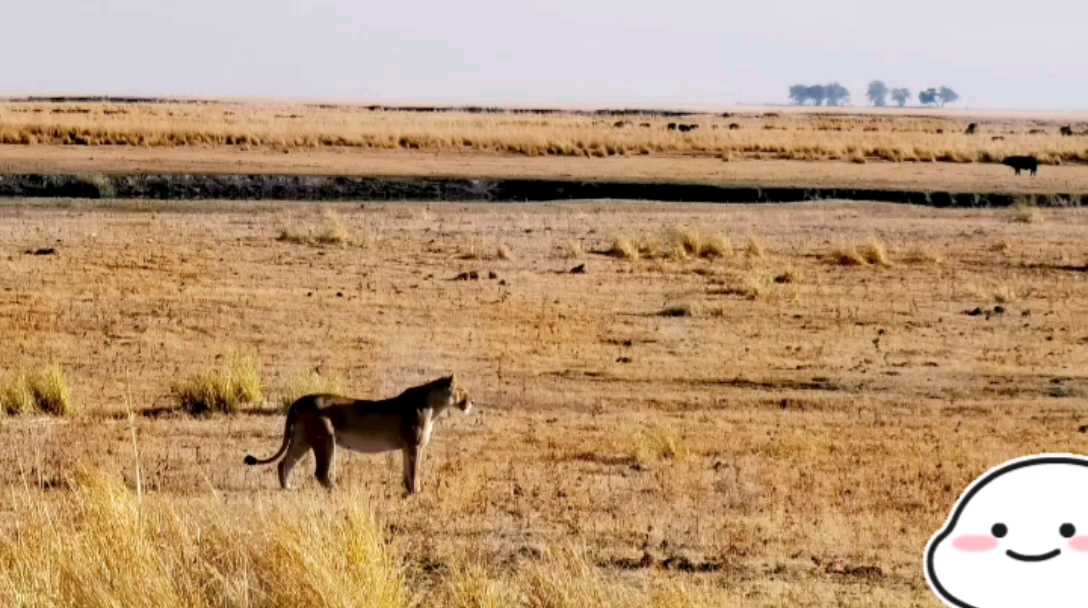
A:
(698, 53)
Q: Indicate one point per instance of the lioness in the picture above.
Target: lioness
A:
(405, 422)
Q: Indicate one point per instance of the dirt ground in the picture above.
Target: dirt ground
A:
(774, 425)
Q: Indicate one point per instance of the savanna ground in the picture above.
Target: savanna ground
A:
(738, 405)
(911, 148)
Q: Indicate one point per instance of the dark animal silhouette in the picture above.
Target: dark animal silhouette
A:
(686, 128)
(1022, 163)
(940, 131)
(644, 125)
(971, 128)
(1067, 130)
(671, 126)
(1037, 132)
(997, 138)
(733, 126)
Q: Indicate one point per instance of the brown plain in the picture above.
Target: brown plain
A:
(910, 149)
(753, 423)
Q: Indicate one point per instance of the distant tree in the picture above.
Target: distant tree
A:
(901, 96)
(928, 97)
(837, 95)
(801, 94)
(947, 95)
(878, 93)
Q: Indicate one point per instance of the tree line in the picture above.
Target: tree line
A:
(878, 93)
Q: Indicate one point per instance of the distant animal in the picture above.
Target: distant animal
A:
(997, 138)
(1067, 130)
(1037, 132)
(405, 422)
(733, 126)
(671, 126)
(644, 125)
(619, 124)
(940, 131)
(971, 128)
(686, 128)
(1022, 163)
(727, 115)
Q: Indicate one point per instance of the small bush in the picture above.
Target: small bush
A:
(848, 256)
(332, 233)
(874, 252)
(623, 248)
(691, 243)
(1025, 212)
(46, 392)
(755, 247)
(223, 390)
(16, 398)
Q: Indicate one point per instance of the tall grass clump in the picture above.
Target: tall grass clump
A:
(331, 232)
(43, 392)
(698, 244)
(224, 390)
(1025, 212)
(309, 383)
(104, 545)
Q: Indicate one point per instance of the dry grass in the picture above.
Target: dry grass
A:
(310, 383)
(912, 136)
(616, 457)
(332, 232)
(224, 390)
(44, 392)
(1025, 212)
(872, 252)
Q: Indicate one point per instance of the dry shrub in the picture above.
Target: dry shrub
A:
(45, 392)
(1025, 212)
(310, 383)
(874, 252)
(686, 242)
(848, 255)
(923, 256)
(755, 247)
(623, 248)
(103, 545)
(332, 232)
(503, 253)
(225, 390)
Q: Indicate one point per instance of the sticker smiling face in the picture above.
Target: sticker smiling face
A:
(1017, 537)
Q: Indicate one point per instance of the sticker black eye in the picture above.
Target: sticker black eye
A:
(1000, 530)
(1067, 530)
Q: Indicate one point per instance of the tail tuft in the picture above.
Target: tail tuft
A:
(251, 460)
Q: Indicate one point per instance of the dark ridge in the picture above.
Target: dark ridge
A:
(342, 188)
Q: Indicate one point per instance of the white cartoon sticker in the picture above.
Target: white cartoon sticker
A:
(1018, 536)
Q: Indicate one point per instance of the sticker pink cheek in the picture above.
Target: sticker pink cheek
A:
(1079, 543)
(975, 542)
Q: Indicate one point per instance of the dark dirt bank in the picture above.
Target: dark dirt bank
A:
(331, 188)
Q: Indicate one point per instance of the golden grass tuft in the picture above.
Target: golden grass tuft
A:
(224, 390)
(1025, 212)
(623, 248)
(105, 545)
(686, 242)
(331, 232)
(310, 383)
(45, 392)
(872, 252)
(875, 253)
(755, 247)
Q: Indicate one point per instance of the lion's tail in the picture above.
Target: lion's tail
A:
(288, 426)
